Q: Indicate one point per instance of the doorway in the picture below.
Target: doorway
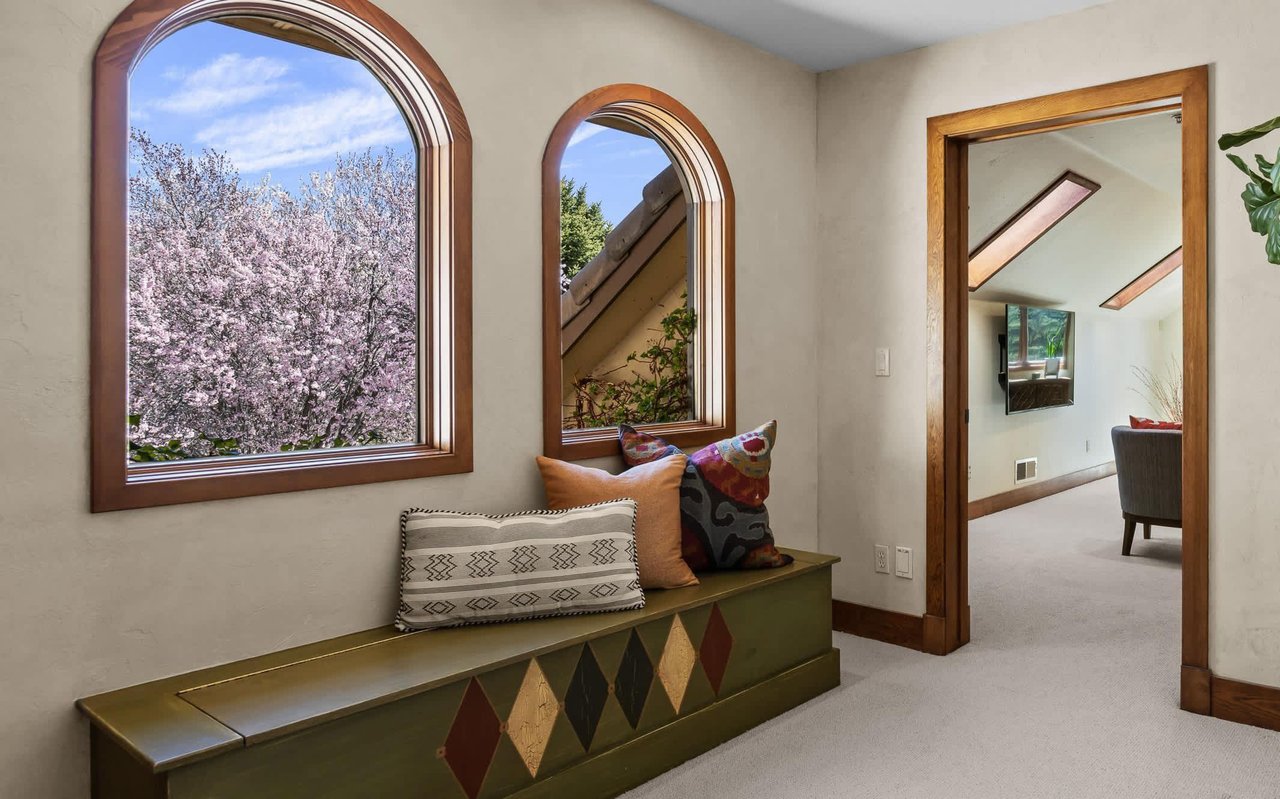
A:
(947, 615)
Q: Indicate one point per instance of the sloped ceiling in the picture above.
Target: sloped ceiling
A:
(1131, 223)
(827, 34)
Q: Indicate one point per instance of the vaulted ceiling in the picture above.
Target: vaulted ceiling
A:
(1132, 222)
(828, 34)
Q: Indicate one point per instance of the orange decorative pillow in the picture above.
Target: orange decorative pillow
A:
(655, 487)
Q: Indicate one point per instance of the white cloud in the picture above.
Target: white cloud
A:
(307, 132)
(227, 81)
(585, 131)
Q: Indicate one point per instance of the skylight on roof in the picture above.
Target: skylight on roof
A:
(1031, 222)
(1145, 281)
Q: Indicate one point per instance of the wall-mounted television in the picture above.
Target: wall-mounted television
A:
(1037, 358)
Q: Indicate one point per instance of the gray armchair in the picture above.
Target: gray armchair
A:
(1149, 468)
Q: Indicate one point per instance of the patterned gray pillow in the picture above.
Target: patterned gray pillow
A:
(467, 568)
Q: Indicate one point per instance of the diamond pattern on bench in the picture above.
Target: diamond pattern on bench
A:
(717, 644)
(473, 743)
(635, 677)
(585, 698)
(472, 740)
(532, 717)
(677, 662)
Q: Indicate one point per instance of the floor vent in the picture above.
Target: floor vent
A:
(1025, 470)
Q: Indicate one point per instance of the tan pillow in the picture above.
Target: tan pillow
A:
(656, 489)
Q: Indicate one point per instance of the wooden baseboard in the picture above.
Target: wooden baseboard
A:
(1045, 488)
(889, 626)
(1245, 703)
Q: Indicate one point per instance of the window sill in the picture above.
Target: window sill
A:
(198, 480)
(602, 442)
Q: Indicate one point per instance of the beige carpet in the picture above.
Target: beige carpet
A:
(1068, 689)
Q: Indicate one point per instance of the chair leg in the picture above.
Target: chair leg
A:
(1146, 530)
(1130, 527)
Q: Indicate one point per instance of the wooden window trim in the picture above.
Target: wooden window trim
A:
(435, 118)
(709, 195)
(1090, 187)
(1145, 282)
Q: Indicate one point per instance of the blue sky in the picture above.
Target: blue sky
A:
(614, 165)
(274, 108)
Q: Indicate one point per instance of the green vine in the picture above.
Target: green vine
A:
(658, 391)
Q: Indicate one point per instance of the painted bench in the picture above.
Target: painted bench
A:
(575, 706)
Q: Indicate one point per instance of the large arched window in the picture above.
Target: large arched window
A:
(281, 253)
(637, 275)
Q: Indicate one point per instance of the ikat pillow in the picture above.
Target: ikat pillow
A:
(724, 522)
(467, 568)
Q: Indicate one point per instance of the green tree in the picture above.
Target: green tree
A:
(583, 228)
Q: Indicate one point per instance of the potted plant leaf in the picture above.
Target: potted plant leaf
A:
(1262, 194)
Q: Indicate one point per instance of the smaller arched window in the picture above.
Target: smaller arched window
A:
(637, 275)
(281, 244)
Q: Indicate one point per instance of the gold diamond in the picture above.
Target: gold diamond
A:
(532, 717)
(676, 665)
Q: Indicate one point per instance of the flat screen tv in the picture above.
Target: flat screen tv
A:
(1038, 358)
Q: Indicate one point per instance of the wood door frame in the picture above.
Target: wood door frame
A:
(946, 620)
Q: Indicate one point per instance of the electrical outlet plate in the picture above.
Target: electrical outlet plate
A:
(902, 562)
(882, 558)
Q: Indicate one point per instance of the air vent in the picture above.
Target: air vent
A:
(1025, 470)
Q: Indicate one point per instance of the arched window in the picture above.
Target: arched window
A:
(281, 253)
(638, 325)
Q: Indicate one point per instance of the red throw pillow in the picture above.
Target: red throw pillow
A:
(1141, 423)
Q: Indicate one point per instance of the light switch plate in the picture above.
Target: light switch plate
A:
(882, 558)
(882, 361)
(902, 562)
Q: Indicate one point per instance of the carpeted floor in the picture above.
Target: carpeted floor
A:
(1068, 689)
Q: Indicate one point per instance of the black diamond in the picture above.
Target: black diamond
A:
(524, 598)
(635, 676)
(564, 594)
(565, 556)
(482, 603)
(584, 700)
(439, 606)
(482, 563)
(603, 590)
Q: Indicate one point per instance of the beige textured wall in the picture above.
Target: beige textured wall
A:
(1106, 346)
(94, 602)
(871, 200)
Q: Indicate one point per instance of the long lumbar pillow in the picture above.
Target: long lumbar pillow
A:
(467, 568)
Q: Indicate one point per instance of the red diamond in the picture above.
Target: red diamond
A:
(717, 643)
(473, 739)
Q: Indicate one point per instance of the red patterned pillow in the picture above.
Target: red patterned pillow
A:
(724, 522)
(1142, 423)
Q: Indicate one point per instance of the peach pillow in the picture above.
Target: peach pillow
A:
(655, 487)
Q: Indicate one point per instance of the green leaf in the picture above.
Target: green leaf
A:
(1228, 140)
(1254, 176)
(1263, 206)
(135, 419)
(1275, 174)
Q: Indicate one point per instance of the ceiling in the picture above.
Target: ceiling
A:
(1131, 223)
(827, 34)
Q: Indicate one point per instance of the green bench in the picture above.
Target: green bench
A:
(575, 706)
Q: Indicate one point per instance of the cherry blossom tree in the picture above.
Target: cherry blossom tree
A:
(262, 320)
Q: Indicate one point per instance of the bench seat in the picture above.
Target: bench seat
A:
(578, 705)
